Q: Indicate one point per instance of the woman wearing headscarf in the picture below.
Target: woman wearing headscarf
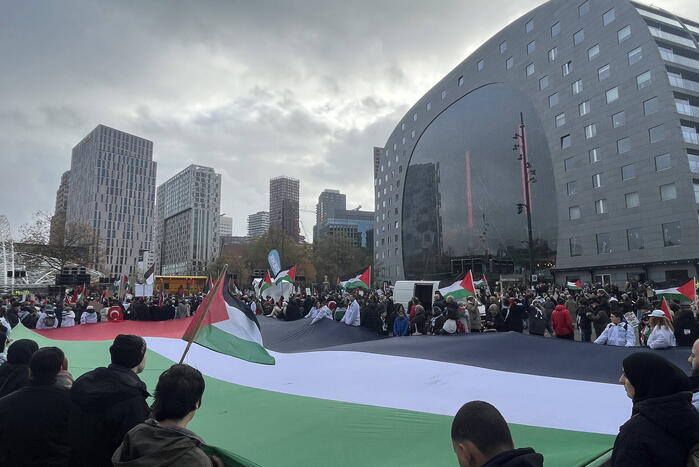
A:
(663, 425)
(14, 373)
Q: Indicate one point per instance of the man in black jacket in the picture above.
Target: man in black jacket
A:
(34, 419)
(109, 402)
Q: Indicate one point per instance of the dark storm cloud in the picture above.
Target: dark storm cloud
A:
(252, 88)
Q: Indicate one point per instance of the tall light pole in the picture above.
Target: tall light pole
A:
(528, 177)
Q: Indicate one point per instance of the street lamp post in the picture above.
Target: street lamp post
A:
(528, 177)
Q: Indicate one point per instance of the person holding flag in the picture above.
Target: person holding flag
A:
(662, 332)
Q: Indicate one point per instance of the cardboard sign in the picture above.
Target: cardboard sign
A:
(631, 319)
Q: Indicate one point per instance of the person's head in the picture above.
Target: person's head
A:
(401, 313)
(647, 375)
(450, 299)
(21, 351)
(616, 317)
(178, 393)
(478, 433)
(657, 318)
(694, 358)
(129, 351)
(45, 365)
(419, 309)
(90, 309)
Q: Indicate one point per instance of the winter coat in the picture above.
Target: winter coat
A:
(400, 326)
(44, 319)
(686, 329)
(34, 429)
(14, 373)
(620, 334)
(585, 323)
(474, 317)
(537, 321)
(293, 311)
(660, 432)
(600, 320)
(561, 321)
(88, 317)
(514, 317)
(150, 444)
(109, 402)
(661, 338)
(524, 457)
(68, 319)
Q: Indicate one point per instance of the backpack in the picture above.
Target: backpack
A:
(49, 320)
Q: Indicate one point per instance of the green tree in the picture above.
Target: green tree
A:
(338, 257)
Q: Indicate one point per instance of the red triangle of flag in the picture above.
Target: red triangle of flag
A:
(689, 290)
(666, 309)
(467, 283)
(292, 273)
(366, 277)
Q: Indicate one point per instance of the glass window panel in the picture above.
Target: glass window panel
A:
(584, 108)
(593, 52)
(591, 130)
(594, 155)
(604, 243)
(529, 26)
(623, 34)
(568, 164)
(635, 56)
(693, 162)
(619, 119)
(609, 16)
(612, 95)
(560, 120)
(578, 37)
(650, 106)
(509, 63)
(604, 72)
(555, 29)
(656, 134)
(461, 81)
(553, 99)
(672, 234)
(668, 192)
(531, 47)
(628, 172)
(643, 80)
(696, 191)
(575, 246)
(574, 212)
(553, 54)
(572, 187)
(663, 162)
(601, 206)
(503, 47)
(567, 68)
(544, 82)
(632, 200)
(635, 239)
(623, 145)
(481, 65)
(596, 180)
(577, 87)
(565, 142)
(530, 69)
(584, 8)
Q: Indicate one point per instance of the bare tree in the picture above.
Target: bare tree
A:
(80, 246)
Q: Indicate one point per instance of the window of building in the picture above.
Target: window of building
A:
(572, 188)
(696, 191)
(553, 99)
(412, 133)
(566, 141)
(402, 127)
(612, 95)
(601, 206)
(594, 155)
(663, 162)
(584, 8)
(480, 65)
(560, 120)
(656, 134)
(623, 145)
(609, 16)
(635, 56)
(577, 87)
(544, 82)
(668, 192)
(574, 213)
(531, 47)
(584, 108)
(604, 72)
(553, 54)
(632, 200)
(429, 106)
(555, 29)
(623, 34)
(444, 94)
(569, 164)
(503, 47)
(596, 180)
(672, 234)
(634, 237)
(567, 68)
(529, 26)
(643, 80)
(604, 243)
(593, 52)
(590, 130)
(509, 63)
(530, 69)
(415, 117)
(619, 119)
(650, 106)
(578, 37)
(575, 246)
(628, 172)
(693, 162)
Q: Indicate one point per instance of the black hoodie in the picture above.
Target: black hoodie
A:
(524, 457)
(109, 402)
(14, 373)
(664, 425)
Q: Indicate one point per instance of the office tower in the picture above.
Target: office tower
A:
(284, 205)
(58, 220)
(258, 224)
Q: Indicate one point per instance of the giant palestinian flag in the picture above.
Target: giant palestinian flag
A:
(352, 396)
(684, 293)
(460, 289)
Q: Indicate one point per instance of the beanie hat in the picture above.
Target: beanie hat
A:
(127, 350)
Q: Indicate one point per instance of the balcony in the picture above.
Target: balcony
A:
(679, 59)
(655, 32)
(679, 82)
(685, 108)
(690, 135)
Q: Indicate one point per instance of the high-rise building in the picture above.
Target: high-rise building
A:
(333, 219)
(187, 230)
(258, 224)
(284, 205)
(225, 226)
(609, 94)
(58, 220)
(378, 154)
(112, 191)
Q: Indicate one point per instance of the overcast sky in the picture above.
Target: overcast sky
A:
(254, 89)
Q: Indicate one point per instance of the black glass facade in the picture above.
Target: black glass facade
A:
(463, 184)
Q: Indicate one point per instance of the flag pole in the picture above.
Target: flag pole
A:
(202, 314)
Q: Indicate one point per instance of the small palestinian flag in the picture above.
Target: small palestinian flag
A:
(266, 283)
(362, 281)
(577, 285)
(684, 293)
(666, 309)
(149, 275)
(460, 289)
(288, 275)
(228, 327)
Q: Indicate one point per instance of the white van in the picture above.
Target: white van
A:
(403, 291)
